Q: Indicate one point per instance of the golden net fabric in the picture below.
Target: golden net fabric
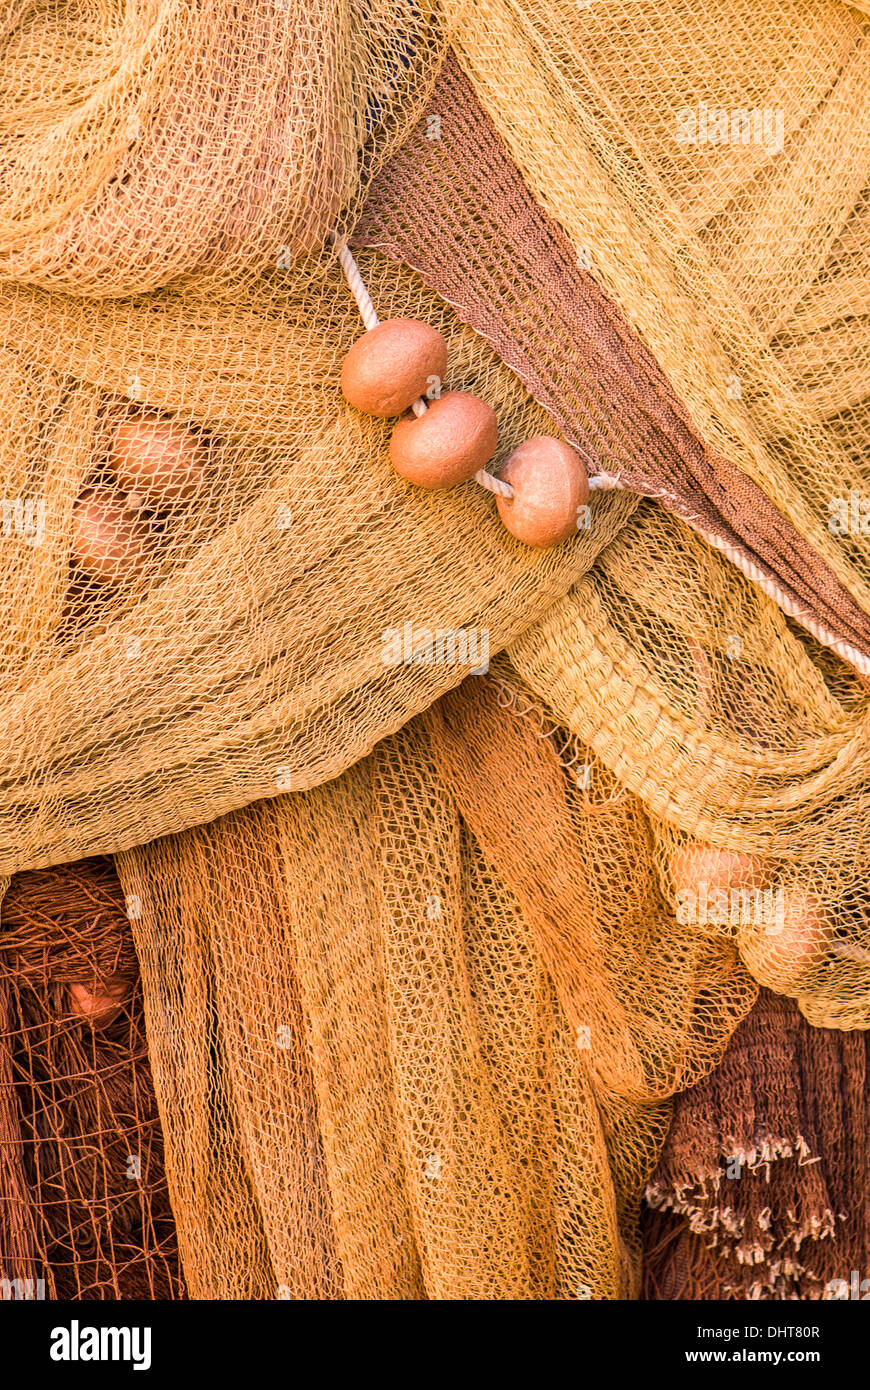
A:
(741, 261)
(179, 140)
(738, 252)
(442, 1071)
(243, 653)
(729, 724)
(246, 655)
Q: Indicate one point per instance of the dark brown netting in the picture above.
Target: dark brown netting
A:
(763, 1187)
(84, 1210)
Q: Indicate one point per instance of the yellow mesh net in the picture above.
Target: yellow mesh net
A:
(714, 176)
(424, 961)
(471, 1140)
(710, 163)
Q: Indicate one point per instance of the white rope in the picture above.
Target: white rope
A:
(493, 484)
(604, 482)
(357, 286)
(742, 562)
(822, 634)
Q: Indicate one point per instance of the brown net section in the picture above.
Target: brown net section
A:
(84, 1207)
(424, 1055)
(762, 1189)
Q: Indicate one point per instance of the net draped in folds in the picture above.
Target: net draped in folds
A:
(246, 654)
(418, 986)
(739, 258)
(431, 1072)
(458, 211)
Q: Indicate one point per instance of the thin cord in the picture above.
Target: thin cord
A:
(844, 650)
(356, 284)
(605, 482)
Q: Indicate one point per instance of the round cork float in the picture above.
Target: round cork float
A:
(106, 541)
(550, 486)
(446, 445)
(393, 365)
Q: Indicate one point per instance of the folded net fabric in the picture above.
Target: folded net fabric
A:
(359, 1099)
(762, 1190)
(442, 1071)
(457, 209)
(690, 686)
(710, 162)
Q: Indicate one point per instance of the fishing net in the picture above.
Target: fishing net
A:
(762, 1189)
(84, 1206)
(487, 1099)
(426, 956)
